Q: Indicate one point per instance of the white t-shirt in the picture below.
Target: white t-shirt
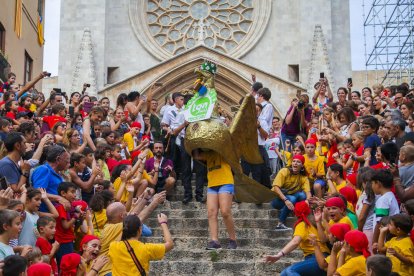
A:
(270, 146)
(386, 205)
(370, 217)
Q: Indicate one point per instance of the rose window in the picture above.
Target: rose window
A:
(170, 27)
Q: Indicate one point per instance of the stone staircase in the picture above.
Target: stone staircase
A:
(189, 228)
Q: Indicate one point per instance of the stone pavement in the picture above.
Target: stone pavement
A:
(189, 228)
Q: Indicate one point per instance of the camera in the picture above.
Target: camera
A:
(48, 75)
(301, 104)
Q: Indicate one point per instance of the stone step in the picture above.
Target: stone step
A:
(193, 205)
(197, 223)
(240, 233)
(185, 242)
(237, 255)
(203, 267)
(237, 213)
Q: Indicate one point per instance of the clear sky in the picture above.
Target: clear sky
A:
(52, 21)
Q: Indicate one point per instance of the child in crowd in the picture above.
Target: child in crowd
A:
(356, 249)
(399, 249)
(65, 222)
(365, 205)
(34, 198)
(46, 227)
(10, 226)
(386, 204)
(336, 233)
(351, 198)
(335, 212)
(335, 178)
(379, 265)
(369, 128)
(315, 167)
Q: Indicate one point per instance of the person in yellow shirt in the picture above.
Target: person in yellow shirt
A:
(335, 213)
(98, 204)
(219, 196)
(356, 247)
(130, 256)
(113, 228)
(399, 249)
(315, 167)
(336, 233)
(123, 177)
(291, 185)
(335, 178)
(304, 228)
(90, 246)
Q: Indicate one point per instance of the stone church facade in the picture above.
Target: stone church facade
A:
(123, 45)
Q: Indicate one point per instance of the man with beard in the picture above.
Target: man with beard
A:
(163, 167)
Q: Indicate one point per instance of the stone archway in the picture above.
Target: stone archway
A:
(232, 80)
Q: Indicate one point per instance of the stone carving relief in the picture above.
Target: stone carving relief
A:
(170, 27)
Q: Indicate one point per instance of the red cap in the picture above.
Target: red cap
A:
(136, 124)
(352, 178)
(39, 269)
(69, 264)
(350, 195)
(310, 141)
(145, 137)
(85, 240)
(339, 230)
(302, 212)
(81, 203)
(299, 157)
(358, 241)
(335, 202)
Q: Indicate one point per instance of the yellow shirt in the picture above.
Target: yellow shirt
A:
(117, 186)
(105, 170)
(288, 157)
(345, 219)
(404, 247)
(291, 182)
(110, 233)
(99, 220)
(316, 166)
(145, 252)
(129, 140)
(338, 187)
(328, 258)
(324, 150)
(218, 170)
(303, 230)
(355, 266)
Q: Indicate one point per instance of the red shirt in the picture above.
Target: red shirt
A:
(63, 235)
(52, 120)
(112, 163)
(22, 109)
(11, 115)
(46, 247)
(359, 152)
(333, 149)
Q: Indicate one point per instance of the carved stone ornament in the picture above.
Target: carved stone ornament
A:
(170, 27)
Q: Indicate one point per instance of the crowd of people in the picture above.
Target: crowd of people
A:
(81, 175)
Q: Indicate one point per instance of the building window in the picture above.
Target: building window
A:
(293, 72)
(28, 67)
(2, 38)
(112, 75)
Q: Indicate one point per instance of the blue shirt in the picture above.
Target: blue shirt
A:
(10, 171)
(372, 142)
(45, 177)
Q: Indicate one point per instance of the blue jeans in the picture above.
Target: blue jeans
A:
(309, 266)
(291, 138)
(64, 249)
(279, 204)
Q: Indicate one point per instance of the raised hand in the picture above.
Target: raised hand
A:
(162, 218)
